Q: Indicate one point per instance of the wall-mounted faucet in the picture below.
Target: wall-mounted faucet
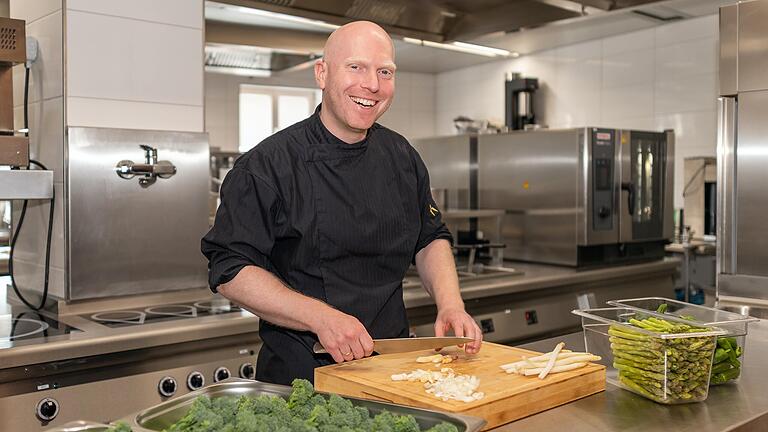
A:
(148, 171)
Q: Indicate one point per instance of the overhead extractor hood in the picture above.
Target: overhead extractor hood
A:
(442, 20)
(519, 27)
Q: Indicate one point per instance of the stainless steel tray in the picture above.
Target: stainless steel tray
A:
(163, 415)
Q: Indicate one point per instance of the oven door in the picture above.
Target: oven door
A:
(645, 202)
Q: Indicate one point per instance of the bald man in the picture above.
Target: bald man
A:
(319, 223)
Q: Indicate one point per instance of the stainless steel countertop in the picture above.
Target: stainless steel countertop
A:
(95, 339)
(742, 406)
(541, 276)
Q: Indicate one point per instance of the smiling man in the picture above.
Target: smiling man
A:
(319, 223)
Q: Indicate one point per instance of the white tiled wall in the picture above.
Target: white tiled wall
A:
(44, 20)
(135, 64)
(176, 12)
(32, 10)
(663, 77)
(411, 114)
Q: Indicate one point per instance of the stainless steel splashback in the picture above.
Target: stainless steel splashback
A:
(139, 234)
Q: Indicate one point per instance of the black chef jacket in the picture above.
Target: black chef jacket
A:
(335, 221)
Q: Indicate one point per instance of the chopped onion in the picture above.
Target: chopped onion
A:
(446, 384)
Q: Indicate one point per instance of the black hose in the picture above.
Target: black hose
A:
(15, 235)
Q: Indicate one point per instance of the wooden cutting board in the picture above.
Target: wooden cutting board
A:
(508, 397)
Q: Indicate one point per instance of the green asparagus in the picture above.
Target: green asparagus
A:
(726, 366)
(663, 370)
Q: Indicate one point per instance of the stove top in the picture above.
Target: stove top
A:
(25, 324)
(162, 313)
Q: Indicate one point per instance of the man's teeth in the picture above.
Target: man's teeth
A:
(364, 102)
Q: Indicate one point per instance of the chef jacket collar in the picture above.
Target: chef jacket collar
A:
(329, 138)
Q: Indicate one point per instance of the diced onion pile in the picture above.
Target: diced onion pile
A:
(559, 360)
(446, 384)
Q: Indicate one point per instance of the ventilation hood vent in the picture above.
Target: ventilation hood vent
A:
(442, 20)
(255, 61)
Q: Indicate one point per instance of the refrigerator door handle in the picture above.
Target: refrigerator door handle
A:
(726, 185)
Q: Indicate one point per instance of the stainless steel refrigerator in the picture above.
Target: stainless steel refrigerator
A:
(742, 202)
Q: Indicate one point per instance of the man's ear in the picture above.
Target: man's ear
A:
(321, 73)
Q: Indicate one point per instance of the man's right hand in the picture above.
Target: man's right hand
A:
(343, 336)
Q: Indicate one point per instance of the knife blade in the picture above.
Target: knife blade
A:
(397, 345)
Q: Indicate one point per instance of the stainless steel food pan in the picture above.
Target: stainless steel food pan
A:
(163, 415)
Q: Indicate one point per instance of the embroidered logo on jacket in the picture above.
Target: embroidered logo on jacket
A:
(433, 211)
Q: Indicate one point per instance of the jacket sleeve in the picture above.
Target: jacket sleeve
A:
(243, 233)
(432, 226)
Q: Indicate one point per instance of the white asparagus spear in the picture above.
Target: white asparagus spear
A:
(563, 362)
(555, 369)
(560, 362)
(552, 359)
(544, 358)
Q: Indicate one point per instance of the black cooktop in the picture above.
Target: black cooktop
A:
(161, 313)
(25, 324)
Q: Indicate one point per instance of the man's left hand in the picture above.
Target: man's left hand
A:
(462, 324)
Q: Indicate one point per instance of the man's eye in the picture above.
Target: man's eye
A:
(386, 73)
(355, 67)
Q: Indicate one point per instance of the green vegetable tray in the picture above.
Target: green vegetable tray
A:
(663, 358)
(164, 415)
(729, 354)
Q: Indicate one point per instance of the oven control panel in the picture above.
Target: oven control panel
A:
(91, 394)
(603, 157)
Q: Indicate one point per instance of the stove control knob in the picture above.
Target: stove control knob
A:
(221, 374)
(167, 386)
(47, 409)
(195, 380)
(247, 371)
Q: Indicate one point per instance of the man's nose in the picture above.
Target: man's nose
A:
(371, 81)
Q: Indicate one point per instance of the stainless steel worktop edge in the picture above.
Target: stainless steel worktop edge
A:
(93, 341)
(531, 281)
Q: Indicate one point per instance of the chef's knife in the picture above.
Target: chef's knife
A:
(397, 345)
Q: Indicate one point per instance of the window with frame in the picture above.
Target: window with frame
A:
(265, 110)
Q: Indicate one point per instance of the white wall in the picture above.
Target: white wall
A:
(659, 78)
(136, 64)
(44, 21)
(411, 114)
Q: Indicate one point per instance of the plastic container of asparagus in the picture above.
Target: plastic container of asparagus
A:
(663, 358)
(729, 354)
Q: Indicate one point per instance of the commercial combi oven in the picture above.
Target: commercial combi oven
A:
(577, 197)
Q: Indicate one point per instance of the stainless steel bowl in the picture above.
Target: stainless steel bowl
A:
(163, 415)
